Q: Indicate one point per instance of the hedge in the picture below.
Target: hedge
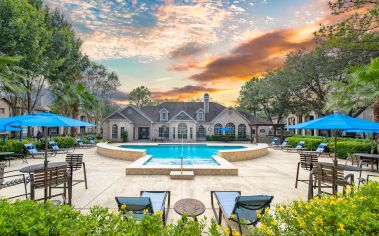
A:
(352, 214)
(345, 146)
(17, 146)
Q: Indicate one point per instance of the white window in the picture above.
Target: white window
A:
(201, 132)
(114, 131)
(200, 115)
(163, 115)
(164, 132)
(230, 129)
(218, 129)
(242, 131)
(182, 131)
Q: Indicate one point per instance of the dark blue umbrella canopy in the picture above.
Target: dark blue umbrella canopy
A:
(337, 122)
(43, 119)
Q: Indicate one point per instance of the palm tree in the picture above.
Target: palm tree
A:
(360, 90)
(10, 75)
(73, 98)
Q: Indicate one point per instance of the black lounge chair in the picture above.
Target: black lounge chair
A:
(150, 201)
(54, 146)
(83, 145)
(239, 209)
(32, 150)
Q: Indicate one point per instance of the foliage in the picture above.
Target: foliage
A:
(353, 214)
(124, 136)
(360, 90)
(65, 142)
(345, 146)
(140, 96)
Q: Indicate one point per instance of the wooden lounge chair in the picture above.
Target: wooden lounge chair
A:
(307, 161)
(83, 145)
(54, 146)
(234, 207)
(299, 147)
(32, 150)
(75, 162)
(328, 176)
(12, 179)
(281, 146)
(150, 201)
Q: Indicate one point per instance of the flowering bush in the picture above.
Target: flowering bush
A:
(354, 214)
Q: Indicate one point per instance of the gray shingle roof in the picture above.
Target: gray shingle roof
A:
(189, 107)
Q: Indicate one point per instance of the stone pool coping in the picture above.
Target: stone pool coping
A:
(138, 168)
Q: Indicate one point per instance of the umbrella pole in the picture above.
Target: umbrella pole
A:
(45, 164)
(335, 147)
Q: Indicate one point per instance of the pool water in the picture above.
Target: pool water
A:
(170, 154)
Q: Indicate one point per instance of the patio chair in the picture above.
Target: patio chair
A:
(32, 151)
(57, 178)
(150, 201)
(14, 156)
(307, 161)
(54, 146)
(75, 163)
(83, 145)
(234, 207)
(299, 147)
(13, 180)
(321, 148)
(328, 176)
(281, 146)
(274, 142)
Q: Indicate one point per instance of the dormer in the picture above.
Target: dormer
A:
(200, 115)
(163, 115)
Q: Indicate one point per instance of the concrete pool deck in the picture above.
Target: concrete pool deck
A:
(272, 174)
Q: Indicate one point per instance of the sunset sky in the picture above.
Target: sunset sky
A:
(180, 49)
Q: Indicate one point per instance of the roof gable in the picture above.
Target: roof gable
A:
(182, 116)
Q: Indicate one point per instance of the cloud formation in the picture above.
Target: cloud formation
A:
(180, 93)
(254, 57)
(188, 50)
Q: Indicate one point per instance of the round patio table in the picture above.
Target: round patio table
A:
(37, 167)
(189, 207)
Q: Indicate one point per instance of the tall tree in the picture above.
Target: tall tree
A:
(140, 96)
(359, 91)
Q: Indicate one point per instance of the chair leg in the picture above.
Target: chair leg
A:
(85, 175)
(219, 216)
(297, 174)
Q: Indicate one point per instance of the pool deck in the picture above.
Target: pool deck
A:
(272, 174)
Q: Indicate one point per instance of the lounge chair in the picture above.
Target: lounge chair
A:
(322, 147)
(299, 147)
(281, 146)
(32, 150)
(150, 201)
(54, 146)
(83, 145)
(12, 178)
(274, 142)
(237, 208)
(92, 142)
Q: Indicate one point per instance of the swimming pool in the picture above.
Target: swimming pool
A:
(170, 154)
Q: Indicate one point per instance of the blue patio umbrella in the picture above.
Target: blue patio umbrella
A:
(337, 122)
(8, 128)
(43, 119)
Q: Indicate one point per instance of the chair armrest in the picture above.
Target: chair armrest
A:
(349, 178)
(4, 177)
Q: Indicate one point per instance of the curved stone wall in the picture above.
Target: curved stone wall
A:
(120, 153)
(244, 154)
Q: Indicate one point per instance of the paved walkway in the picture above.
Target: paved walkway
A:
(273, 174)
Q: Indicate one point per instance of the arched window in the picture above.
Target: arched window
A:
(201, 132)
(262, 131)
(114, 131)
(218, 129)
(242, 131)
(230, 129)
(163, 132)
(182, 130)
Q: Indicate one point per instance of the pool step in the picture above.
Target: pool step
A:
(182, 175)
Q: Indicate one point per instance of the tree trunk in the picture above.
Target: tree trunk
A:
(375, 109)
(75, 114)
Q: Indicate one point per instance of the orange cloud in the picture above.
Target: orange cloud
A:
(183, 93)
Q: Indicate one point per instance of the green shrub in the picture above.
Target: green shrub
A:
(344, 145)
(65, 142)
(353, 214)
(12, 145)
(124, 136)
